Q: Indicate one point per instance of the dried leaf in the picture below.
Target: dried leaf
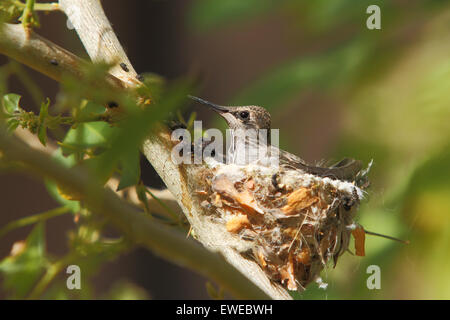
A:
(291, 232)
(304, 257)
(299, 200)
(245, 199)
(324, 247)
(217, 201)
(287, 274)
(261, 259)
(237, 223)
(248, 202)
(360, 238)
(250, 184)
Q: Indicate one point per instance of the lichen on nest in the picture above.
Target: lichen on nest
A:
(291, 223)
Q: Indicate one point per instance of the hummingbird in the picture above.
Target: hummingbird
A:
(257, 118)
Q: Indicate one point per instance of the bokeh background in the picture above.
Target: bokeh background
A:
(335, 89)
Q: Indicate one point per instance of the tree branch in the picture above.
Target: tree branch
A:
(43, 55)
(98, 37)
(158, 237)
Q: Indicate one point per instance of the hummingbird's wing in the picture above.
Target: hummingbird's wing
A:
(342, 163)
(346, 169)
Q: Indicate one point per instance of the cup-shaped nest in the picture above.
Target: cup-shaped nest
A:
(292, 223)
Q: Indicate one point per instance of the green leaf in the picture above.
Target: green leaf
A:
(52, 187)
(88, 110)
(131, 169)
(88, 135)
(101, 167)
(9, 10)
(53, 190)
(22, 270)
(10, 102)
(42, 128)
(12, 124)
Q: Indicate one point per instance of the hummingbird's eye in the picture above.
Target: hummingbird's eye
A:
(244, 114)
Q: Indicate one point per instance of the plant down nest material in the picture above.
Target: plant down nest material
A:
(289, 222)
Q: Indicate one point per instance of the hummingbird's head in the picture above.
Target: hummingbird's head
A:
(243, 117)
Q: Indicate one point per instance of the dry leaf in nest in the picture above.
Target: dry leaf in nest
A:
(299, 200)
(237, 223)
(244, 198)
(288, 274)
(360, 237)
(303, 256)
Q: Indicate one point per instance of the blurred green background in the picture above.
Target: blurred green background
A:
(344, 90)
(335, 89)
(369, 94)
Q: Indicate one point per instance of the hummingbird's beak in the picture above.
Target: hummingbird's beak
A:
(216, 107)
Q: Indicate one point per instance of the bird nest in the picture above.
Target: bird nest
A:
(289, 222)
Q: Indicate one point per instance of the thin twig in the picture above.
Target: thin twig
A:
(33, 219)
(27, 14)
(385, 236)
